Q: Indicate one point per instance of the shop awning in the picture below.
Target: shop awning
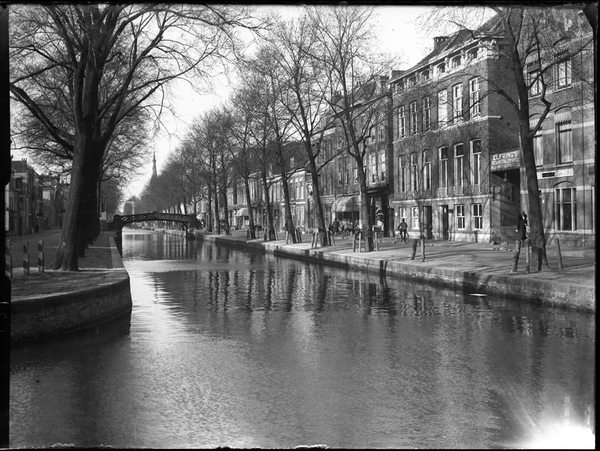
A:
(242, 212)
(346, 203)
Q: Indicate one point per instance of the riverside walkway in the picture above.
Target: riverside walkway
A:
(475, 267)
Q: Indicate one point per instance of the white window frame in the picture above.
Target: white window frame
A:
(561, 206)
(401, 122)
(477, 216)
(563, 73)
(402, 173)
(413, 124)
(476, 161)
(474, 99)
(459, 163)
(564, 142)
(427, 169)
(426, 113)
(442, 98)
(443, 167)
(457, 107)
(414, 167)
(460, 217)
(415, 218)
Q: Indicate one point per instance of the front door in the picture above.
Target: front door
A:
(444, 222)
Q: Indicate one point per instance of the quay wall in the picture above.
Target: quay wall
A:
(521, 287)
(38, 317)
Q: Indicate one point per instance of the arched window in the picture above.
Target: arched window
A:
(565, 206)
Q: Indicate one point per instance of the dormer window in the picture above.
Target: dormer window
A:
(455, 62)
(441, 68)
(472, 54)
(412, 81)
(425, 75)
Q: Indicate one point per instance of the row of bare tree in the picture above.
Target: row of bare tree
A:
(92, 78)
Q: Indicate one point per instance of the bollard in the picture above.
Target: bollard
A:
(8, 260)
(40, 256)
(516, 257)
(560, 262)
(414, 249)
(527, 257)
(26, 258)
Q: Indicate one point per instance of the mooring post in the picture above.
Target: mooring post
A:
(8, 270)
(26, 258)
(40, 261)
(560, 262)
(516, 256)
(527, 257)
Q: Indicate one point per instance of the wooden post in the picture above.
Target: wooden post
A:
(414, 249)
(8, 270)
(516, 256)
(40, 256)
(26, 258)
(560, 262)
(354, 242)
(527, 257)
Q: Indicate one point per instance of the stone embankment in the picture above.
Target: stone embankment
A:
(472, 267)
(51, 303)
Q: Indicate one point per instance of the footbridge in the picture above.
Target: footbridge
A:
(121, 220)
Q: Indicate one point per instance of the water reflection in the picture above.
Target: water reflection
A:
(229, 348)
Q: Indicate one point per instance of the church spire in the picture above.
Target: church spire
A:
(154, 175)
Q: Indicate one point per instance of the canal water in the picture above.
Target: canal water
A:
(232, 348)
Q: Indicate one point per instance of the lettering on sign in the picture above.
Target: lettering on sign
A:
(506, 160)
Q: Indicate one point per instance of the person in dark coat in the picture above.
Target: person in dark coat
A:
(522, 226)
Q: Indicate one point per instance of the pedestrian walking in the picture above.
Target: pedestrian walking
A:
(522, 226)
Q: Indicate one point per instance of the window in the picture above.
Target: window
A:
(566, 209)
(460, 216)
(402, 173)
(426, 113)
(443, 167)
(401, 122)
(538, 148)
(355, 171)
(458, 164)
(412, 81)
(477, 216)
(381, 132)
(414, 183)
(373, 159)
(564, 142)
(441, 68)
(563, 73)
(413, 117)
(415, 217)
(340, 172)
(301, 189)
(476, 161)
(474, 103)
(346, 171)
(426, 169)
(457, 102)
(472, 54)
(455, 62)
(535, 82)
(442, 108)
(382, 167)
(425, 75)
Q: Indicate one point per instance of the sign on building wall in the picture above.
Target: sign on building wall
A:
(505, 160)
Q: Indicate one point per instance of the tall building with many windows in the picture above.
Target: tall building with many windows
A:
(447, 138)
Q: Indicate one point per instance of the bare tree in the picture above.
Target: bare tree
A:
(346, 38)
(101, 64)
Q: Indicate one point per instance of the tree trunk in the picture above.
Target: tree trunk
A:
(250, 213)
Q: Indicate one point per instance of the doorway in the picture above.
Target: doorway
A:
(444, 222)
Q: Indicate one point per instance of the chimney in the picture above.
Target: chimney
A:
(439, 40)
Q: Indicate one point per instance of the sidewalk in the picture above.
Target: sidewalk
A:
(94, 267)
(476, 267)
